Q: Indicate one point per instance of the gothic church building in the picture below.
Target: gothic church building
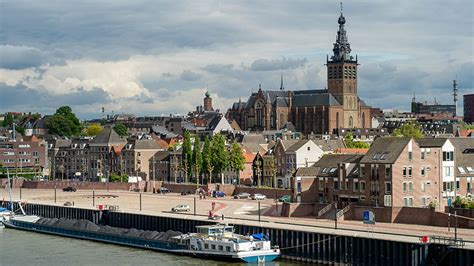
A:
(310, 111)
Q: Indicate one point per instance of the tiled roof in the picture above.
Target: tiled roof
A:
(297, 145)
(108, 136)
(463, 156)
(385, 150)
(316, 99)
(329, 145)
(431, 142)
(286, 144)
(308, 171)
(333, 160)
(146, 144)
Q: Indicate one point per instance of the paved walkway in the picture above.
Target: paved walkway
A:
(243, 211)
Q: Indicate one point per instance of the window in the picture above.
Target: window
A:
(423, 171)
(448, 156)
(458, 185)
(336, 185)
(468, 185)
(388, 171)
(410, 155)
(410, 186)
(362, 186)
(404, 187)
(410, 171)
(388, 187)
(405, 202)
(213, 246)
(206, 246)
(410, 202)
(387, 200)
(447, 171)
(321, 184)
(422, 154)
(221, 247)
(404, 172)
(227, 248)
(356, 186)
(347, 184)
(309, 148)
(461, 170)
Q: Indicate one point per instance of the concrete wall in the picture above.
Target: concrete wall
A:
(79, 185)
(17, 183)
(301, 209)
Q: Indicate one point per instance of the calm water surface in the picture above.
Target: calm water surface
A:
(26, 248)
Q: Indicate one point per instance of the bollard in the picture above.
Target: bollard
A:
(259, 211)
(140, 201)
(54, 195)
(194, 206)
(93, 198)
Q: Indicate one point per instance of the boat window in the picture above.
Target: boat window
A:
(213, 246)
(228, 229)
(221, 247)
(206, 246)
(227, 248)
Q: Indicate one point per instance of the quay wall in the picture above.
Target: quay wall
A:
(311, 246)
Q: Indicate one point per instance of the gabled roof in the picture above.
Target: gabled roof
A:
(385, 150)
(108, 136)
(463, 156)
(333, 160)
(146, 144)
(161, 156)
(289, 127)
(297, 145)
(330, 145)
(431, 142)
(308, 171)
(286, 144)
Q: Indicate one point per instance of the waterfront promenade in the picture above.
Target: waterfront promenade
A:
(243, 211)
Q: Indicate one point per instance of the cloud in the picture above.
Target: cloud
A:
(277, 64)
(189, 75)
(20, 57)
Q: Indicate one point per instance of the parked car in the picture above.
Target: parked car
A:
(187, 192)
(69, 189)
(242, 195)
(258, 196)
(163, 190)
(218, 194)
(181, 208)
(285, 198)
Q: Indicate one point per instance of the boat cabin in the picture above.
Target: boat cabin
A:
(215, 230)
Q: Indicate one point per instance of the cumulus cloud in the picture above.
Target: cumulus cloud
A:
(159, 57)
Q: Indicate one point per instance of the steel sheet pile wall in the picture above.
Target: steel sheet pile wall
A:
(297, 245)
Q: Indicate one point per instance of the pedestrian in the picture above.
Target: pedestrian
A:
(222, 217)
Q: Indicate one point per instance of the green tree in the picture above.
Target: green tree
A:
(206, 158)
(59, 125)
(350, 143)
(64, 122)
(8, 120)
(121, 129)
(20, 130)
(94, 129)
(187, 155)
(219, 153)
(236, 159)
(197, 159)
(410, 130)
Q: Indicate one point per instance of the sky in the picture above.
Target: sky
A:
(159, 57)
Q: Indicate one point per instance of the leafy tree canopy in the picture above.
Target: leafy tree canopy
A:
(236, 158)
(64, 122)
(219, 153)
(94, 129)
(410, 130)
(350, 143)
(121, 129)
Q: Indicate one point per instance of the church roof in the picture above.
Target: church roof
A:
(281, 102)
(314, 99)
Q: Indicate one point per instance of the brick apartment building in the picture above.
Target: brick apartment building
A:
(399, 172)
(469, 108)
(25, 155)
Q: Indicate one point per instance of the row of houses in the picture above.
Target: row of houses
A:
(394, 172)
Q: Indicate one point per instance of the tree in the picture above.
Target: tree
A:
(8, 120)
(121, 129)
(350, 143)
(219, 153)
(64, 122)
(187, 155)
(236, 158)
(197, 159)
(206, 158)
(94, 129)
(20, 130)
(59, 125)
(410, 130)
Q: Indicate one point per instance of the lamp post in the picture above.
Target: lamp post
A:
(154, 188)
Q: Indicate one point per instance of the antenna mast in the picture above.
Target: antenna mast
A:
(455, 96)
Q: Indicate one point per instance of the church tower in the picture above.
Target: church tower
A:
(342, 77)
(208, 102)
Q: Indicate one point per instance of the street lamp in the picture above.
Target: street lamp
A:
(154, 189)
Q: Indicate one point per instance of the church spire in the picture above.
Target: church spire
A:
(281, 85)
(342, 48)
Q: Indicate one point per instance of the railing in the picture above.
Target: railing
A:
(324, 210)
(443, 240)
(343, 211)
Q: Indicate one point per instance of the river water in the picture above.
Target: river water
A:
(27, 248)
